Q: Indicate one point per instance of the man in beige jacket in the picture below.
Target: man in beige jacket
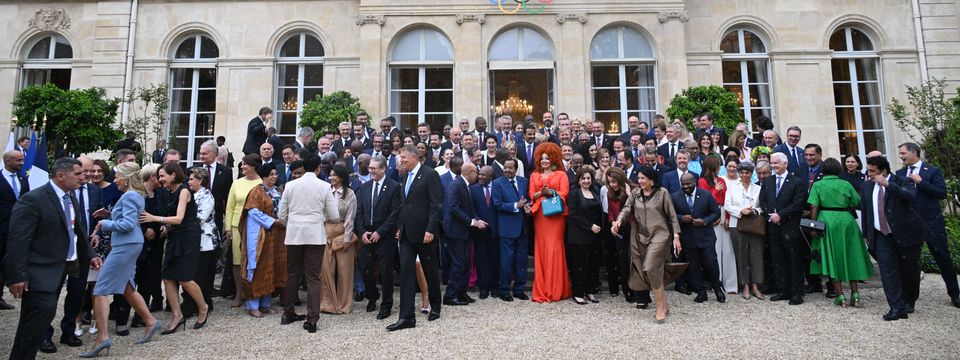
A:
(306, 204)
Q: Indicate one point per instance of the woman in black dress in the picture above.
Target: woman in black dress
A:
(583, 236)
(182, 251)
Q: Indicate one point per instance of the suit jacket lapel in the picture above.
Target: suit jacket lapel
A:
(52, 194)
(383, 189)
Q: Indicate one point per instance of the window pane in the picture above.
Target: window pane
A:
(181, 125)
(436, 46)
(404, 101)
(186, 48)
(757, 71)
(291, 47)
(731, 72)
(606, 76)
(405, 78)
(866, 69)
(287, 122)
(736, 90)
(40, 50)
(60, 78)
(182, 78)
(310, 94)
(838, 41)
(860, 41)
(407, 47)
(639, 75)
(841, 69)
(208, 49)
(845, 119)
(312, 46)
(756, 112)
(605, 45)
(752, 43)
(640, 99)
(848, 143)
(842, 94)
(606, 99)
(505, 46)
(181, 100)
(730, 43)
(204, 126)
(759, 95)
(179, 143)
(208, 78)
(869, 93)
(610, 120)
(63, 50)
(288, 99)
(409, 122)
(874, 140)
(437, 121)
(206, 100)
(635, 45)
(289, 75)
(535, 46)
(312, 75)
(871, 118)
(439, 78)
(438, 101)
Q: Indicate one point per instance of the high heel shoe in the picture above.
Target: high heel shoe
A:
(579, 301)
(104, 346)
(855, 298)
(153, 330)
(199, 324)
(840, 301)
(182, 323)
(592, 298)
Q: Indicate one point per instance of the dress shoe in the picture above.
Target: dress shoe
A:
(383, 314)
(484, 294)
(137, 322)
(721, 296)
(506, 297)
(955, 301)
(123, 331)
(70, 340)
(454, 302)
(796, 300)
(371, 306)
(831, 293)
(433, 316)
(701, 297)
(909, 309)
(5, 306)
(814, 289)
(894, 315)
(779, 297)
(310, 326)
(358, 296)
(47, 346)
(402, 324)
(288, 318)
(466, 298)
(521, 296)
(682, 289)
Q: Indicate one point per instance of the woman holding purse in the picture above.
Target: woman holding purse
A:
(340, 254)
(741, 205)
(548, 190)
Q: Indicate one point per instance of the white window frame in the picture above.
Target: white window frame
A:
(421, 65)
(196, 63)
(744, 58)
(622, 62)
(302, 61)
(47, 64)
(851, 56)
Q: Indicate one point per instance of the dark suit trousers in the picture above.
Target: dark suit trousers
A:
(786, 251)
(703, 268)
(610, 251)
(206, 271)
(303, 261)
(459, 278)
(383, 255)
(37, 311)
(72, 304)
(487, 255)
(937, 243)
(408, 275)
(899, 271)
(584, 266)
(444, 255)
(227, 286)
(623, 263)
(513, 264)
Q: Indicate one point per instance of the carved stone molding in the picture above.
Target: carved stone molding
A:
(673, 15)
(479, 18)
(370, 19)
(581, 17)
(50, 20)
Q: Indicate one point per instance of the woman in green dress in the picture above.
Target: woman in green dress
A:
(842, 252)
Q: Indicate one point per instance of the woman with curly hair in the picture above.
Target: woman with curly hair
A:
(548, 183)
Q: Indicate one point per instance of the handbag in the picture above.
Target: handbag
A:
(552, 206)
(814, 225)
(752, 224)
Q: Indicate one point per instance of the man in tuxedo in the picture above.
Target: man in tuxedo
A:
(157, 157)
(257, 131)
(670, 180)
(458, 219)
(782, 199)
(795, 154)
(378, 206)
(220, 181)
(890, 228)
(47, 241)
(602, 140)
(11, 189)
(526, 148)
(697, 211)
(419, 220)
(360, 134)
(485, 244)
(706, 127)
(931, 190)
(511, 202)
(345, 138)
(304, 139)
(669, 149)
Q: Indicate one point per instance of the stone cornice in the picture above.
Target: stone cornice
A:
(581, 17)
(370, 19)
(479, 18)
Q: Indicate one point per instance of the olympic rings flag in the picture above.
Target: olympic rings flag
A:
(521, 5)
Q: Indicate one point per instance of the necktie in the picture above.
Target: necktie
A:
(513, 184)
(673, 149)
(373, 202)
(779, 182)
(796, 157)
(16, 186)
(210, 176)
(486, 193)
(68, 216)
(529, 152)
(636, 153)
(288, 172)
(599, 142)
(83, 204)
(881, 211)
(911, 170)
(690, 201)
(406, 190)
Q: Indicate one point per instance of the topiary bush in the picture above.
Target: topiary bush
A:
(78, 120)
(323, 114)
(711, 98)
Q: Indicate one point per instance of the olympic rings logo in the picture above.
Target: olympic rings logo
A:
(521, 5)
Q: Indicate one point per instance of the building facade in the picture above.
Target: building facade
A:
(827, 66)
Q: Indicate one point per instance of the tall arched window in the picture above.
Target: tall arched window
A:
(299, 80)
(856, 92)
(521, 64)
(746, 72)
(193, 94)
(421, 79)
(48, 61)
(624, 80)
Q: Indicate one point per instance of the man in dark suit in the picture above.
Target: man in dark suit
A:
(419, 221)
(458, 219)
(697, 211)
(157, 157)
(360, 134)
(782, 199)
(46, 242)
(625, 159)
(480, 130)
(511, 201)
(266, 156)
(651, 159)
(274, 140)
(10, 190)
(485, 244)
(454, 143)
(346, 138)
(810, 172)
(527, 147)
(598, 137)
(220, 181)
(890, 228)
(363, 119)
(388, 129)
(793, 150)
(378, 206)
(669, 149)
(305, 140)
(455, 164)
(22, 145)
(257, 131)
(670, 180)
(931, 190)
(706, 127)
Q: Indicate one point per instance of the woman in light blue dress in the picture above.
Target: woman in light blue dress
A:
(116, 275)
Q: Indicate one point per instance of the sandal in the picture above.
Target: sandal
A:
(255, 313)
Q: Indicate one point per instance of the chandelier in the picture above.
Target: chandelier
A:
(290, 105)
(514, 105)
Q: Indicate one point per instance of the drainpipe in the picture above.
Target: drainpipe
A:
(128, 68)
(921, 48)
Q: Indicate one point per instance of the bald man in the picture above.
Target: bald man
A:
(10, 190)
(458, 219)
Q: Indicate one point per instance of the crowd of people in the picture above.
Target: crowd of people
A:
(339, 214)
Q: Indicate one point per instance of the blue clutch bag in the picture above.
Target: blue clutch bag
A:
(552, 206)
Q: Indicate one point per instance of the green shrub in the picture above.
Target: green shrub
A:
(323, 114)
(927, 263)
(713, 99)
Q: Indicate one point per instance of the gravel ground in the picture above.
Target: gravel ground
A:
(493, 328)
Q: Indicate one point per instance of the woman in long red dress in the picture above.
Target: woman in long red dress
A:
(551, 282)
